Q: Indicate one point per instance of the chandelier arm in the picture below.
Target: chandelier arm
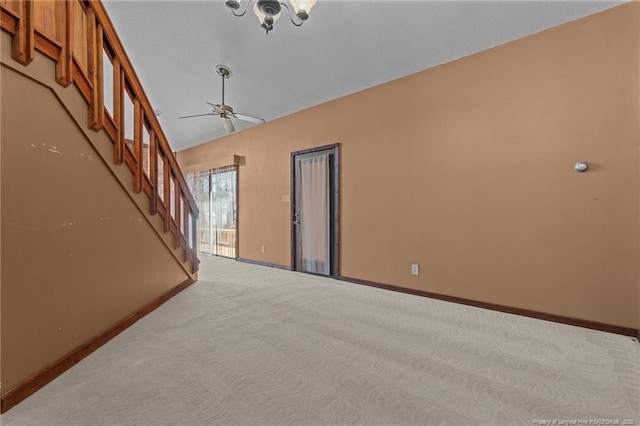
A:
(291, 16)
(243, 12)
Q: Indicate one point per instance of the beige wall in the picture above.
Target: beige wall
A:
(79, 252)
(467, 170)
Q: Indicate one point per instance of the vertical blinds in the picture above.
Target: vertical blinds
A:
(215, 192)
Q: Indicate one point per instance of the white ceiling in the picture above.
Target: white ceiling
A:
(344, 47)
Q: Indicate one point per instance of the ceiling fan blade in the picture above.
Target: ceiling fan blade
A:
(198, 115)
(228, 125)
(249, 118)
(214, 106)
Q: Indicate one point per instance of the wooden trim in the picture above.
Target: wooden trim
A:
(336, 213)
(99, 84)
(292, 207)
(107, 45)
(162, 209)
(64, 66)
(173, 228)
(316, 149)
(193, 251)
(501, 308)
(335, 198)
(110, 127)
(48, 47)
(130, 159)
(167, 192)
(270, 265)
(185, 224)
(9, 10)
(178, 207)
(153, 171)
(195, 263)
(118, 108)
(53, 370)
(82, 82)
(147, 187)
(185, 252)
(185, 231)
(22, 48)
(137, 145)
(47, 38)
(95, 71)
(8, 21)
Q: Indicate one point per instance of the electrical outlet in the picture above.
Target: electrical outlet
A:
(261, 249)
(415, 269)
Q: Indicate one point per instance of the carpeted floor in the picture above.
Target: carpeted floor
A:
(249, 345)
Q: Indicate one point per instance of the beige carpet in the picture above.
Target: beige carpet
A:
(249, 345)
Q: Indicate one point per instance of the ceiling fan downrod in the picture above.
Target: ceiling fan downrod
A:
(225, 73)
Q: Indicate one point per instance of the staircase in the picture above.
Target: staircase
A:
(79, 36)
(98, 224)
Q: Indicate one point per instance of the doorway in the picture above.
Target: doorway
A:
(315, 207)
(216, 195)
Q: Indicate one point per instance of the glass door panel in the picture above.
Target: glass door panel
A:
(216, 192)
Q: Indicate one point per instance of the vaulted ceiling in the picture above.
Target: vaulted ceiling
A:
(344, 47)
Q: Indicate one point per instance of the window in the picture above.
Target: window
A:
(107, 82)
(161, 177)
(146, 146)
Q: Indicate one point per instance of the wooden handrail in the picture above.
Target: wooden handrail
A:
(125, 63)
(76, 34)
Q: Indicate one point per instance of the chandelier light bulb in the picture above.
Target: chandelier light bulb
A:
(233, 4)
(303, 7)
(266, 20)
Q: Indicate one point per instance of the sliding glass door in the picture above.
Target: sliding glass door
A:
(216, 194)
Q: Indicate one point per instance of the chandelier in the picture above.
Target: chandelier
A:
(268, 11)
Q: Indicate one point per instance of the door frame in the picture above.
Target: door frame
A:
(335, 201)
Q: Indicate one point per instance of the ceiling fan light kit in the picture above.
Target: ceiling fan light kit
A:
(268, 11)
(225, 112)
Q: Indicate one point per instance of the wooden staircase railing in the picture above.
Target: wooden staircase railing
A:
(79, 36)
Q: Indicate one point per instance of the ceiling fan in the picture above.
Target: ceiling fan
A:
(225, 112)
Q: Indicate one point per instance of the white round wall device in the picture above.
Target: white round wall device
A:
(581, 166)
